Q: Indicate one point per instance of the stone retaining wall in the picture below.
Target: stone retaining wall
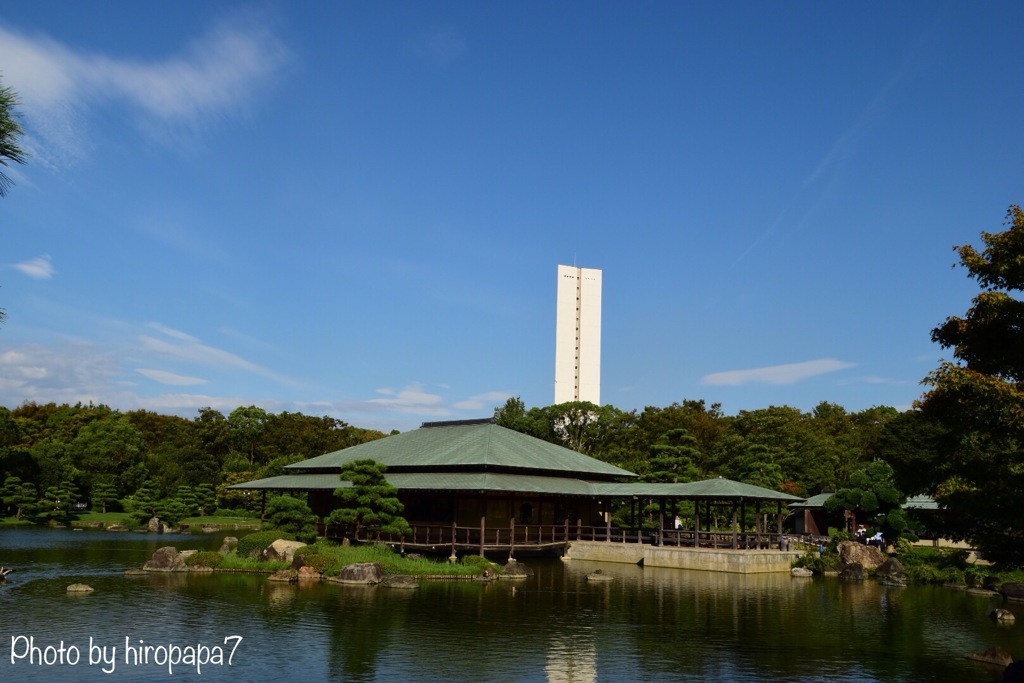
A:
(704, 559)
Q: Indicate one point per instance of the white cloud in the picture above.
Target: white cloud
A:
(39, 268)
(789, 373)
(165, 377)
(489, 400)
(70, 373)
(413, 399)
(217, 74)
(171, 332)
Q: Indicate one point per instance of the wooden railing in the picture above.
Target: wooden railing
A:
(482, 538)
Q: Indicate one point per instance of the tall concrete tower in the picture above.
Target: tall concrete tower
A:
(578, 335)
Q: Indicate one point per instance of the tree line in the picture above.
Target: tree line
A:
(58, 459)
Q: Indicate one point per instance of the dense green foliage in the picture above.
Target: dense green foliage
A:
(293, 516)
(778, 447)
(976, 465)
(871, 491)
(370, 506)
(150, 464)
(251, 545)
(204, 558)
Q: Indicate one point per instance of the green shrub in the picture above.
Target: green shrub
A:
(322, 563)
(818, 563)
(255, 543)
(204, 558)
(477, 561)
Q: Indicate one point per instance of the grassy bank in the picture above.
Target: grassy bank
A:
(328, 559)
(224, 521)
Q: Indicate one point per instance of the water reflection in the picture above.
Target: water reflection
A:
(652, 624)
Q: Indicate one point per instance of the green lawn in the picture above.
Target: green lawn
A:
(221, 521)
(11, 521)
(105, 518)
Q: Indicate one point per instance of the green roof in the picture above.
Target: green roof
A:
(528, 484)
(478, 446)
(817, 501)
(709, 488)
(434, 481)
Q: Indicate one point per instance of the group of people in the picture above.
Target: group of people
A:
(862, 537)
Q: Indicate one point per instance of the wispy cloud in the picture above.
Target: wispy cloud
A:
(788, 373)
(488, 400)
(411, 399)
(39, 268)
(165, 377)
(69, 373)
(216, 75)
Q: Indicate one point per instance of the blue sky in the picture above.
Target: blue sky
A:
(357, 209)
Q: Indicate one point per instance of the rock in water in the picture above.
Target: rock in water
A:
(166, 559)
(867, 556)
(361, 572)
(891, 573)
(852, 572)
(80, 588)
(514, 568)
(993, 655)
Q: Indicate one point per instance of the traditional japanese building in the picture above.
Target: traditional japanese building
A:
(474, 485)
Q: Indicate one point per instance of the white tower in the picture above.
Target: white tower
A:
(578, 335)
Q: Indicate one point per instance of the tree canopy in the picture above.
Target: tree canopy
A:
(10, 136)
(370, 505)
(978, 400)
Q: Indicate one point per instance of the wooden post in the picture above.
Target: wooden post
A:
(661, 521)
(735, 531)
(607, 526)
(778, 512)
(632, 514)
(579, 529)
(757, 523)
(512, 538)
(453, 538)
(483, 530)
(696, 523)
(743, 523)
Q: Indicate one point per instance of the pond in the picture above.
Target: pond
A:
(644, 625)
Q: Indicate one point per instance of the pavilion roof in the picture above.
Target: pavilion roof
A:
(472, 445)
(507, 482)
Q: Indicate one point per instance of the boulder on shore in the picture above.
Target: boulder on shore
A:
(1012, 591)
(362, 573)
(166, 559)
(155, 526)
(228, 544)
(284, 576)
(400, 581)
(852, 572)
(515, 569)
(867, 556)
(282, 550)
(891, 573)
